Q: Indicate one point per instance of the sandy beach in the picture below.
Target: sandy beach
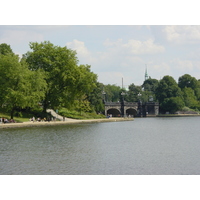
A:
(68, 121)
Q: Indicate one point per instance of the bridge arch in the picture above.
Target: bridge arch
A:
(131, 112)
(114, 112)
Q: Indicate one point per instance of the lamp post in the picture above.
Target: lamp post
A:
(139, 105)
(104, 96)
(122, 104)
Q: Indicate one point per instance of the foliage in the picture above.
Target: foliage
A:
(172, 104)
(66, 81)
(19, 86)
(111, 92)
(192, 86)
(150, 85)
(167, 88)
(95, 98)
(133, 93)
(187, 81)
(76, 114)
(190, 98)
(168, 92)
(5, 49)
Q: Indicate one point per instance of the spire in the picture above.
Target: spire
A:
(146, 74)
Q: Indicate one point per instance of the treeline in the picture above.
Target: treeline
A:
(172, 96)
(49, 76)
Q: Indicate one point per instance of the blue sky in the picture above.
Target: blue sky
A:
(118, 51)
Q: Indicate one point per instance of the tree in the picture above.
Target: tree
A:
(19, 86)
(172, 104)
(5, 49)
(189, 97)
(150, 85)
(132, 94)
(60, 67)
(112, 92)
(96, 98)
(168, 88)
(187, 81)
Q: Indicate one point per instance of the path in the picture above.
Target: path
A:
(57, 116)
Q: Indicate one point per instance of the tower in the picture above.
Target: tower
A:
(146, 75)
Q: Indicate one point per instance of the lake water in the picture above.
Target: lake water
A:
(145, 146)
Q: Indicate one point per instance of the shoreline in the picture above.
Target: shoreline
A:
(178, 115)
(54, 123)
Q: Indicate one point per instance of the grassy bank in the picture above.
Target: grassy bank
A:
(79, 115)
(25, 116)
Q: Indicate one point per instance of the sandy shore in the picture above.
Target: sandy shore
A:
(72, 121)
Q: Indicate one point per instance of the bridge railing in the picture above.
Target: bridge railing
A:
(112, 103)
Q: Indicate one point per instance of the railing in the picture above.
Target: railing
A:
(119, 103)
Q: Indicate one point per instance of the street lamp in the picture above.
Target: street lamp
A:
(122, 104)
(104, 96)
(140, 104)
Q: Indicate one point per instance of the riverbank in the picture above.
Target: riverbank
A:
(178, 115)
(54, 123)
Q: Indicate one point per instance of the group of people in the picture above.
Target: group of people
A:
(33, 119)
(4, 120)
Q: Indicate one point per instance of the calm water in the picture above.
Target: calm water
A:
(143, 146)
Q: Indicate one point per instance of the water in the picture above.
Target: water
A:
(143, 146)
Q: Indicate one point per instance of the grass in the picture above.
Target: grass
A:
(79, 115)
(24, 118)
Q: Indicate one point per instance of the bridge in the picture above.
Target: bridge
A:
(131, 109)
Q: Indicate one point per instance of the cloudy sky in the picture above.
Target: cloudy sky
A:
(118, 51)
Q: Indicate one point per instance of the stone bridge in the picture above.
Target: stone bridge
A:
(133, 109)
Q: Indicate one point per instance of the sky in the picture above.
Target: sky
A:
(117, 52)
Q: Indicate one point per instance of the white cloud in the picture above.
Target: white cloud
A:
(135, 47)
(84, 55)
(147, 47)
(79, 47)
(182, 34)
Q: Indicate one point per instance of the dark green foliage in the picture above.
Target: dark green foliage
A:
(132, 94)
(172, 104)
(95, 98)
(166, 92)
(111, 93)
(5, 49)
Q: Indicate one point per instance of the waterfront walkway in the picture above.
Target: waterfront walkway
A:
(54, 123)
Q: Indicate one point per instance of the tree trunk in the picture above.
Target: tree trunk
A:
(12, 113)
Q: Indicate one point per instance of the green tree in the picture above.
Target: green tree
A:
(133, 93)
(189, 97)
(187, 81)
(112, 92)
(150, 85)
(60, 67)
(168, 88)
(96, 98)
(19, 86)
(85, 80)
(172, 104)
(5, 49)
